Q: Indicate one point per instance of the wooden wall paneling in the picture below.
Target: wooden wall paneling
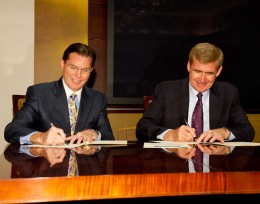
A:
(98, 40)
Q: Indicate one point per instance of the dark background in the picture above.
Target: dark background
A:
(152, 40)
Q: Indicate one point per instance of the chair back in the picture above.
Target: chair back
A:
(147, 101)
(18, 101)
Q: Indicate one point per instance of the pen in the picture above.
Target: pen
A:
(188, 126)
(186, 122)
(66, 142)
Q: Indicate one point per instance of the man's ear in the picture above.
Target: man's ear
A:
(188, 66)
(219, 71)
(62, 64)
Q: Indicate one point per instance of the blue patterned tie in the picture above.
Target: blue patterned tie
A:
(197, 123)
(73, 113)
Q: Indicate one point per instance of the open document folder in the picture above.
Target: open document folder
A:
(170, 144)
(97, 142)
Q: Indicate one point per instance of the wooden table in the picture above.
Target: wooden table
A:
(131, 173)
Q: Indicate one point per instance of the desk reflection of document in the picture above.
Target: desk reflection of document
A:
(97, 142)
(170, 144)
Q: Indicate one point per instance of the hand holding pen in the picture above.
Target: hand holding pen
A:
(53, 136)
(191, 131)
(183, 133)
(56, 136)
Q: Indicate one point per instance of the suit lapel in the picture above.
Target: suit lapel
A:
(61, 105)
(84, 110)
(184, 101)
(215, 106)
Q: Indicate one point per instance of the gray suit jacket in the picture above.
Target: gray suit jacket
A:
(46, 103)
(170, 107)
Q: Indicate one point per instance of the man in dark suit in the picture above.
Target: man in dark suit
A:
(174, 102)
(44, 117)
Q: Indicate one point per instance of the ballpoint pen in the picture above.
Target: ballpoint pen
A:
(66, 142)
(188, 126)
(186, 122)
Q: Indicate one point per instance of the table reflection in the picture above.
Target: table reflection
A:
(130, 159)
(219, 157)
(28, 162)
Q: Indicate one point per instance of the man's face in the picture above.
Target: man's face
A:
(76, 71)
(203, 76)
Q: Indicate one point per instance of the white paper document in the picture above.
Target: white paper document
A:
(169, 144)
(165, 144)
(98, 142)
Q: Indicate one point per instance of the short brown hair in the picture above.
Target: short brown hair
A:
(206, 53)
(81, 49)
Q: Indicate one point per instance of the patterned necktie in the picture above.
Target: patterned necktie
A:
(197, 116)
(73, 113)
(197, 123)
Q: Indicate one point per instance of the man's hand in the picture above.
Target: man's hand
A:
(214, 149)
(219, 134)
(54, 136)
(88, 135)
(53, 155)
(184, 153)
(86, 149)
(182, 134)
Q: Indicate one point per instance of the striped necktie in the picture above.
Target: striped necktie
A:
(73, 114)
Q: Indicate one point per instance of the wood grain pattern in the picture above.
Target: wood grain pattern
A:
(242, 182)
(97, 38)
(110, 187)
(133, 172)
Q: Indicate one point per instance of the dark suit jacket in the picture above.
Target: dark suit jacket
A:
(170, 107)
(46, 103)
(26, 166)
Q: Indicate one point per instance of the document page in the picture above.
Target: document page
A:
(170, 144)
(98, 142)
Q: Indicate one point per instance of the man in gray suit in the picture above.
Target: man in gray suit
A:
(44, 117)
(174, 102)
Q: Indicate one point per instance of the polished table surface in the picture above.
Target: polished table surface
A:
(117, 172)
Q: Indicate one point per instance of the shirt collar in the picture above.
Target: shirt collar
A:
(69, 92)
(193, 93)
